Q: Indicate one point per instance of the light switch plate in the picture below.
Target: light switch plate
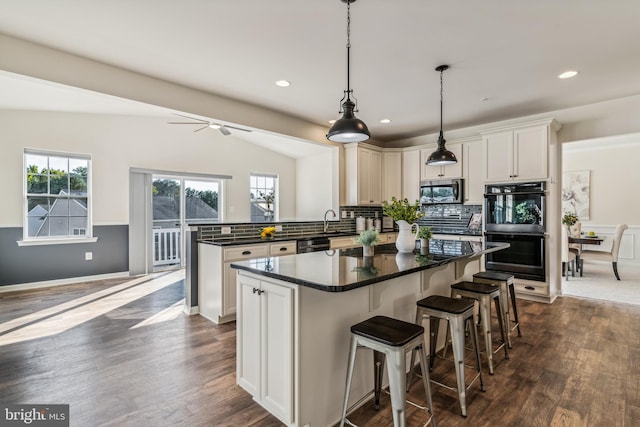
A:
(88, 256)
(225, 230)
(352, 214)
(278, 228)
(344, 214)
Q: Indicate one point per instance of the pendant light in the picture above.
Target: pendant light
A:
(441, 156)
(348, 128)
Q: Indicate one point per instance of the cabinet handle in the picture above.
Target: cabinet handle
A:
(257, 291)
(246, 252)
(530, 288)
(283, 249)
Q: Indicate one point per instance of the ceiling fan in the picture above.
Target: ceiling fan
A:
(224, 129)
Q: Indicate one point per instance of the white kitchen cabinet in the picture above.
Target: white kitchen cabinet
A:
(441, 172)
(516, 154)
(411, 175)
(473, 172)
(392, 175)
(264, 363)
(346, 242)
(363, 175)
(217, 279)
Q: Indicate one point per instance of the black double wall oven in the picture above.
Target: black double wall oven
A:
(515, 214)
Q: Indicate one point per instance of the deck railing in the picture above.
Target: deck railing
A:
(166, 246)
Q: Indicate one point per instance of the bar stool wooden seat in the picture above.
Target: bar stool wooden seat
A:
(390, 339)
(457, 312)
(484, 293)
(506, 281)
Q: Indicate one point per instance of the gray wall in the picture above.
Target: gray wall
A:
(26, 264)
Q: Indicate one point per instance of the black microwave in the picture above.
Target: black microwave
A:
(441, 191)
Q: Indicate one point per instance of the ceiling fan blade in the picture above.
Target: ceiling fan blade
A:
(186, 123)
(192, 118)
(233, 127)
(203, 127)
(224, 130)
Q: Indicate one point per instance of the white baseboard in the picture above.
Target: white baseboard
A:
(59, 282)
(190, 311)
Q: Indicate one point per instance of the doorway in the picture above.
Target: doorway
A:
(178, 202)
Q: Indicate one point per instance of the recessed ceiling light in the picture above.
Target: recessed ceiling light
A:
(385, 121)
(332, 121)
(214, 126)
(568, 74)
(484, 99)
(283, 83)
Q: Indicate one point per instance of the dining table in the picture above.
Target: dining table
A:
(584, 240)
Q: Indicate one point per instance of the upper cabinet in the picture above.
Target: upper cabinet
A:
(473, 172)
(411, 175)
(391, 175)
(364, 175)
(517, 154)
(440, 172)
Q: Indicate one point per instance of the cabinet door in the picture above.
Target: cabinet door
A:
(369, 177)
(473, 173)
(429, 172)
(530, 153)
(248, 339)
(392, 175)
(498, 156)
(411, 175)
(277, 349)
(229, 290)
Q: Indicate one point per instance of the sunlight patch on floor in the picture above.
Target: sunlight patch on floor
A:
(62, 317)
(165, 315)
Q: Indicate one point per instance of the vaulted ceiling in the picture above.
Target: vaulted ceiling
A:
(505, 56)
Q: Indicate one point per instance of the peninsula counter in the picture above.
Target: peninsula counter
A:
(295, 313)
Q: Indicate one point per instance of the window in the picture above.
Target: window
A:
(57, 196)
(264, 205)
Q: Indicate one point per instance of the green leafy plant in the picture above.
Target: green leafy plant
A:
(368, 237)
(527, 213)
(424, 232)
(569, 218)
(402, 210)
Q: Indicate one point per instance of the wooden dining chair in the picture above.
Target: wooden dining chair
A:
(611, 256)
(568, 256)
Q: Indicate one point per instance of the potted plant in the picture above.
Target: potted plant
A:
(424, 234)
(405, 214)
(368, 239)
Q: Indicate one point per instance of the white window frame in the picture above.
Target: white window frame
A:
(276, 191)
(56, 240)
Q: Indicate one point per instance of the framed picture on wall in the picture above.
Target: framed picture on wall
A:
(575, 193)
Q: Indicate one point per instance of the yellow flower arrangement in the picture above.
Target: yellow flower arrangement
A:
(267, 232)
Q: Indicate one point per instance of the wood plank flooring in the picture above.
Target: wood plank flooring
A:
(129, 357)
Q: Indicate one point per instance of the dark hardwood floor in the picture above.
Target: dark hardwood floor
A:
(121, 354)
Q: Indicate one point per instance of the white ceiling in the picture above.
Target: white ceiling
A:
(507, 52)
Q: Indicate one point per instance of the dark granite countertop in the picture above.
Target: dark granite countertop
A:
(346, 269)
(276, 238)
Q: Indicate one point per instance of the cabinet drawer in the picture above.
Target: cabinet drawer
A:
(246, 252)
(343, 242)
(532, 289)
(282, 248)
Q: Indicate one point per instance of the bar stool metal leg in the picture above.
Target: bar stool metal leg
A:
(378, 370)
(352, 360)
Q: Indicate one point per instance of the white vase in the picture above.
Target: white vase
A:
(406, 241)
(367, 250)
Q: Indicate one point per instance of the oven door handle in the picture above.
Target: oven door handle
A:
(498, 233)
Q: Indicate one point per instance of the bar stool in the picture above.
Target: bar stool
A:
(390, 339)
(484, 293)
(506, 282)
(457, 312)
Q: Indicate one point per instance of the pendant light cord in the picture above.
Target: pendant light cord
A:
(348, 48)
(441, 102)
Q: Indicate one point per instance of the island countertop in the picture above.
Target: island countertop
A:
(346, 269)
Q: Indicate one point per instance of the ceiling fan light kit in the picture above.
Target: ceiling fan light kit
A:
(442, 156)
(348, 128)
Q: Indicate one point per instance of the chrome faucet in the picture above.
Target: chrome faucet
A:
(326, 224)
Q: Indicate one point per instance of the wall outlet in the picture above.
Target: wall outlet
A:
(88, 256)
(376, 214)
(352, 214)
(225, 230)
(344, 214)
(278, 228)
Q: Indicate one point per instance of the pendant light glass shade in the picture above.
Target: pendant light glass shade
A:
(442, 156)
(348, 128)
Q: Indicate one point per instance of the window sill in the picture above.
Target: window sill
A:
(60, 241)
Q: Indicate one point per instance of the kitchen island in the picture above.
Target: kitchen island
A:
(295, 314)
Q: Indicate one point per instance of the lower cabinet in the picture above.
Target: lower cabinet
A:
(265, 344)
(217, 280)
